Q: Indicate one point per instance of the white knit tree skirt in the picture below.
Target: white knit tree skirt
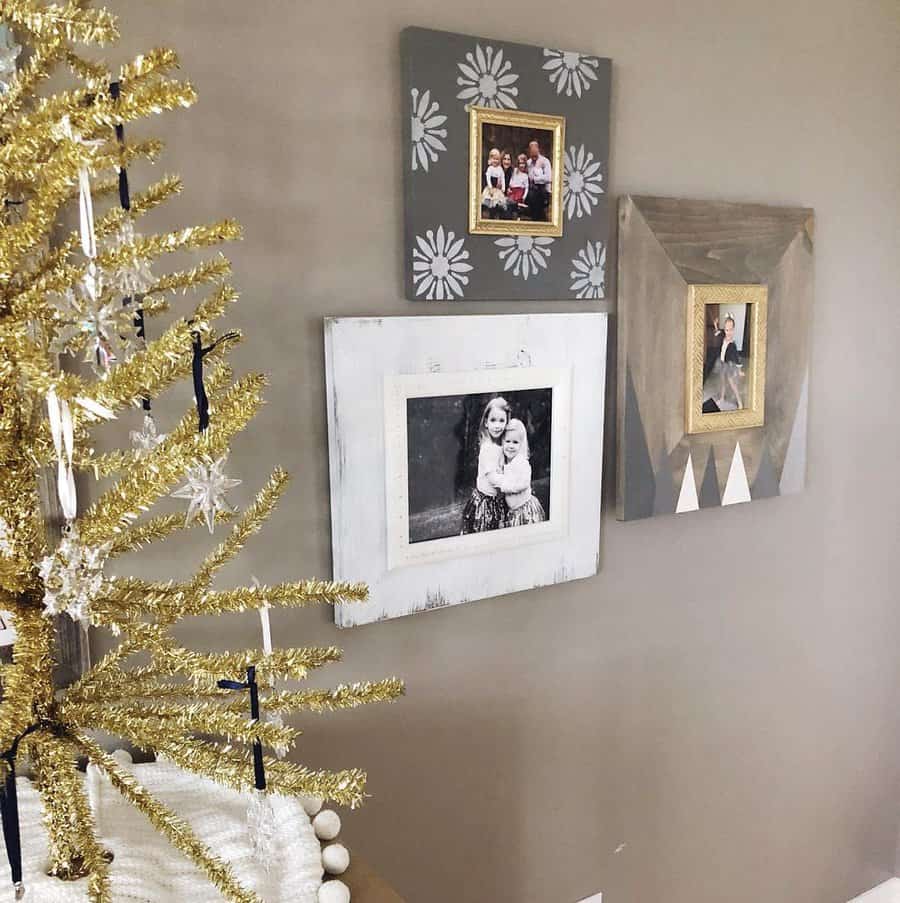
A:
(148, 869)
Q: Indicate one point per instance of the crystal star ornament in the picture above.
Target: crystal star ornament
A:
(5, 537)
(135, 276)
(73, 577)
(147, 438)
(205, 489)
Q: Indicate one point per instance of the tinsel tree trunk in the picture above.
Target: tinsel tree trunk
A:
(96, 293)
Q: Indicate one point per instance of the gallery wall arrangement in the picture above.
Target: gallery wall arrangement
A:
(506, 150)
(715, 303)
(465, 455)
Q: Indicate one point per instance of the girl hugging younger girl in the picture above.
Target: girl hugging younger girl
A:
(486, 508)
(514, 480)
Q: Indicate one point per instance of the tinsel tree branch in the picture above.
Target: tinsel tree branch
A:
(73, 853)
(64, 149)
(251, 522)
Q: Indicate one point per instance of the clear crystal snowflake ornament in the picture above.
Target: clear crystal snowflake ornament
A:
(261, 828)
(147, 438)
(104, 329)
(135, 277)
(73, 577)
(205, 489)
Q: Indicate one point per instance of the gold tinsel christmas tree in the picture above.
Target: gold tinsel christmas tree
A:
(92, 293)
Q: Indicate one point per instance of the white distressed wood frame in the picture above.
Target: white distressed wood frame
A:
(400, 388)
(365, 356)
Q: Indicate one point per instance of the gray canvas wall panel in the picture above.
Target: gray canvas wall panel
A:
(439, 67)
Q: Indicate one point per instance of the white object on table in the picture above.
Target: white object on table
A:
(148, 868)
(312, 804)
(335, 859)
(334, 892)
(327, 824)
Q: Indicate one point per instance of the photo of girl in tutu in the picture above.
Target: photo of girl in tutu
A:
(478, 462)
(516, 174)
(727, 357)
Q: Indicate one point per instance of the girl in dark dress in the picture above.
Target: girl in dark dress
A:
(486, 508)
(506, 163)
(726, 368)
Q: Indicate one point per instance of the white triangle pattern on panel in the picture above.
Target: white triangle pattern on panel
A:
(737, 489)
(687, 498)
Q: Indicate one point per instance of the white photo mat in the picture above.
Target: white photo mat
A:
(368, 359)
(398, 389)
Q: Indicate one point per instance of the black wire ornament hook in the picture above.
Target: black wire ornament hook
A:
(115, 90)
(200, 395)
(124, 196)
(259, 771)
(9, 812)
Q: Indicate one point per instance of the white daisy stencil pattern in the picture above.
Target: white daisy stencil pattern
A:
(581, 182)
(525, 255)
(426, 130)
(440, 267)
(589, 271)
(486, 79)
(571, 72)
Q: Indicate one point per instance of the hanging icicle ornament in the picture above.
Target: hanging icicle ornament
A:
(261, 828)
(9, 53)
(205, 489)
(260, 814)
(271, 717)
(73, 577)
(147, 438)
(62, 430)
(65, 132)
(134, 277)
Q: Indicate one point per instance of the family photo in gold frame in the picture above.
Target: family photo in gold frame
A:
(515, 172)
(725, 369)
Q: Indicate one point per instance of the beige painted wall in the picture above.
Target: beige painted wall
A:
(737, 732)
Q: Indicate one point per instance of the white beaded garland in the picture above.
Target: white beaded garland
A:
(123, 757)
(335, 859)
(334, 892)
(327, 824)
(312, 805)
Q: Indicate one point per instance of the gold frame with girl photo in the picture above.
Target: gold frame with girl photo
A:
(741, 373)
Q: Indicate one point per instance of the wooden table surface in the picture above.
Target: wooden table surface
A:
(365, 886)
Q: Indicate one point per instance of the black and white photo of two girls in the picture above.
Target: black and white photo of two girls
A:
(478, 462)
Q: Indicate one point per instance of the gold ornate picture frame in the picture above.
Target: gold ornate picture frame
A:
(742, 374)
(539, 124)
